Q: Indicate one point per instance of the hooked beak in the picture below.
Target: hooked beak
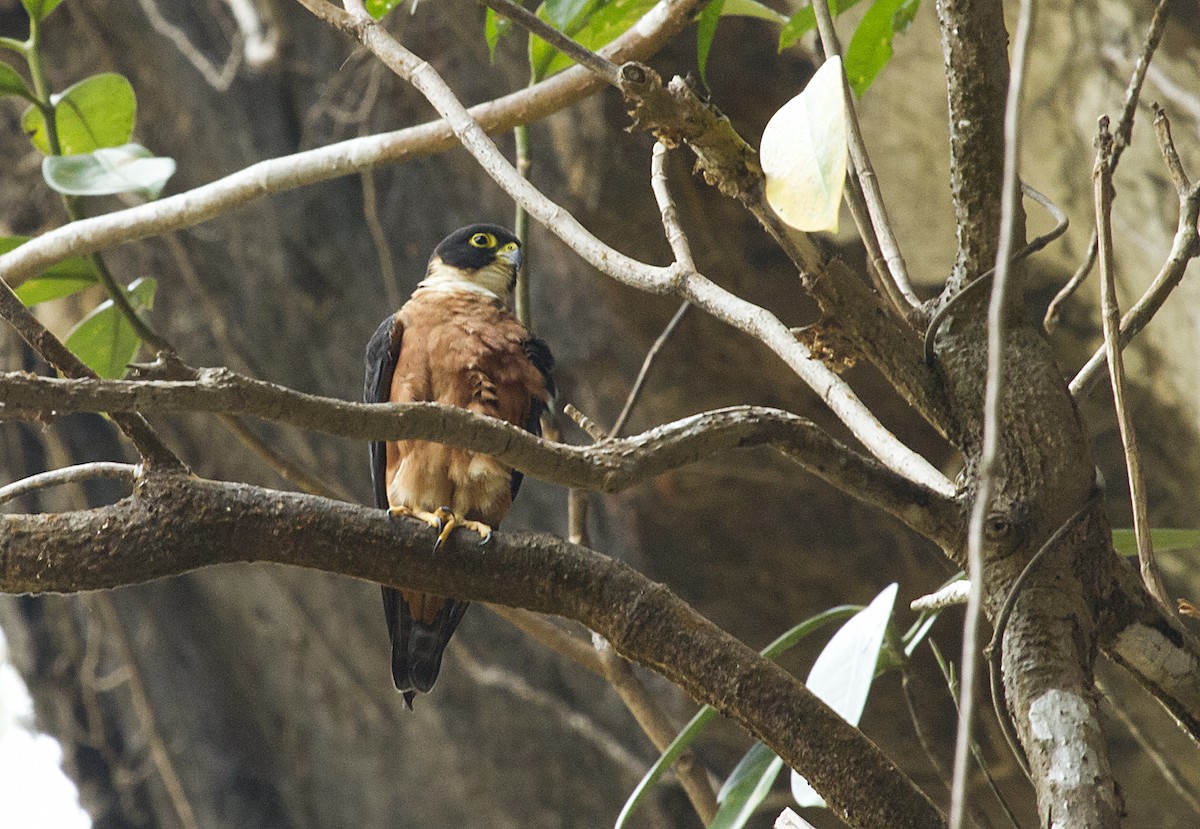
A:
(512, 257)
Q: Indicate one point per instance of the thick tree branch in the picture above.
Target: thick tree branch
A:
(174, 524)
(608, 466)
(989, 468)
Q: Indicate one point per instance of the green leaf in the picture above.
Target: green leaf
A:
(104, 339)
(1164, 540)
(804, 150)
(871, 47)
(752, 8)
(596, 25)
(58, 280)
(747, 787)
(11, 83)
(378, 8)
(45, 288)
(843, 673)
(805, 20)
(705, 31)
(127, 169)
(96, 112)
(697, 724)
(494, 28)
(39, 10)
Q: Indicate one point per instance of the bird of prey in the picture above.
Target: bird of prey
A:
(454, 342)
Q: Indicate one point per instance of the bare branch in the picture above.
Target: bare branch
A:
(529, 21)
(1184, 247)
(208, 523)
(880, 225)
(1102, 184)
(52, 349)
(639, 382)
(608, 466)
(1123, 134)
(72, 474)
(683, 256)
(343, 158)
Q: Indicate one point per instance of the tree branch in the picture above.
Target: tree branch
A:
(879, 225)
(1184, 247)
(673, 279)
(1122, 136)
(608, 466)
(286, 173)
(1102, 173)
(173, 524)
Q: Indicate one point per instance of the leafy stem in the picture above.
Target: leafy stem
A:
(74, 205)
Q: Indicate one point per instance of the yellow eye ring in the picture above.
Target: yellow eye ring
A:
(483, 240)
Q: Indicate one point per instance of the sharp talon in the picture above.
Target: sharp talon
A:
(486, 538)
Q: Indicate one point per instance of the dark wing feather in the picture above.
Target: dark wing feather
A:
(383, 352)
(539, 354)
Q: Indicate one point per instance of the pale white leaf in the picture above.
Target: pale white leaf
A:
(790, 820)
(842, 675)
(803, 153)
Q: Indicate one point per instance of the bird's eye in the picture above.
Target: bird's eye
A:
(483, 240)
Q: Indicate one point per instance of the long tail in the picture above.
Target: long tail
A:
(419, 625)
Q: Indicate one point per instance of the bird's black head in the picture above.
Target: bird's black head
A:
(478, 246)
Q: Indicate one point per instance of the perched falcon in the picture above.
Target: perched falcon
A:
(453, 342)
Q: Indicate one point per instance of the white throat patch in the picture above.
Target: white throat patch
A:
(490, 281)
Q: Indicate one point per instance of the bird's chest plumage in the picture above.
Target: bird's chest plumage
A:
(460, 349)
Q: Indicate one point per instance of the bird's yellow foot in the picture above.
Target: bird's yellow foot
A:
(432, 519)
(449, 521)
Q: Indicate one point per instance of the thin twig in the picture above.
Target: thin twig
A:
(282, 466)
(677, 239)
(590, 427)
(976, 752)
(951, 595)
(521, 303)
(147, 442)
(561, 641)
(989, 460)
(1054, 309)
(1184, 247)
(72, 474)
(1122, 136)
(144, 710)
(876, 209)
(379, 238)
(535, 25)
(1103, 193)
(1165, 768)
(639, 382)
